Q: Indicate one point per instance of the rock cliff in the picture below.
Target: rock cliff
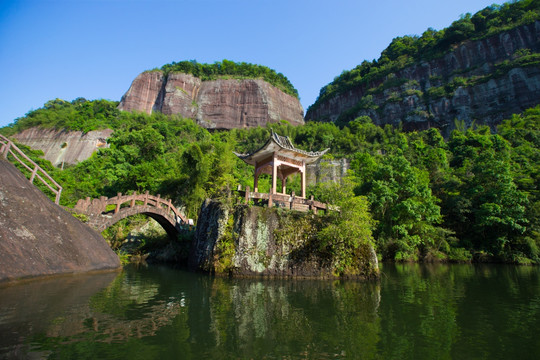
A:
(257, 241)
(214, 104)
(37, 237)
(63, 146)
(484, 81)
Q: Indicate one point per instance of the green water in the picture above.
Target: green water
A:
(414, 312)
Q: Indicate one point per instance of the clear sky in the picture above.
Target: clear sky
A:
(95, 48)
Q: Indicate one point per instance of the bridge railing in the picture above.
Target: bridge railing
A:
(9, 150)
(103, 204)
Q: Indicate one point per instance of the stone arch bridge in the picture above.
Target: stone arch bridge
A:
(105, 212)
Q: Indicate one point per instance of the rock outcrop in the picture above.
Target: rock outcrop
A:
(37, 237)
(215, 104)
(63, 146)
(257, 241)
(482, 81)
(327, 170)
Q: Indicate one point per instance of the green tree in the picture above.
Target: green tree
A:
(347, 238)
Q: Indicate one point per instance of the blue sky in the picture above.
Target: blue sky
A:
(94, 49)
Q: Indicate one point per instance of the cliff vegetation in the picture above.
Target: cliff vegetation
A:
(405, 83)
(231, 69)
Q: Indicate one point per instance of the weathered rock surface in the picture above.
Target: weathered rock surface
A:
(37, 237)
(327, 170)
(507, 90)
(264, 242)
(62, 146)
(216, 104)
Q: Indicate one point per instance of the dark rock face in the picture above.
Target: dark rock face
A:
(37, 237)
(266, 243)
(216, 104)
(211, 224)
(507, 90)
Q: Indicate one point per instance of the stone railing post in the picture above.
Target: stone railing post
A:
(247, 195)
(34, 172)
(132, 203)
(293, 195)
(118, 203)
(5, 149)
(146, 198)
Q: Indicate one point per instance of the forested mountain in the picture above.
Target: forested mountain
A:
(482, 68)
(472, 196)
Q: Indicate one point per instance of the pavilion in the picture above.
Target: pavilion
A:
(279, 158)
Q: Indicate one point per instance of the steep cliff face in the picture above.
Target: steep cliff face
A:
(484, 81)
(62, 146)
(256, 241)
(327, 170)
(215, 104)
(37, 237)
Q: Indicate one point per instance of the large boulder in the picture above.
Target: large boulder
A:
(38, 237)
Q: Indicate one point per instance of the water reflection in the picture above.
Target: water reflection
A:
(459, 311)
(51, 306)
(416, 311)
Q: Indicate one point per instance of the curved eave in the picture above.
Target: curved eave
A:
(270, 147)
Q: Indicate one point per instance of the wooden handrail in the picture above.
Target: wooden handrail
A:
(9, 148)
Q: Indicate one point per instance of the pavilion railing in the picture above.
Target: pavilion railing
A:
(292, 201)
(9, 150)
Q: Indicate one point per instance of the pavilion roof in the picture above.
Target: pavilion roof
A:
(283, 146)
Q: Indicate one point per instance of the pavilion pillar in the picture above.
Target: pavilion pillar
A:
(284, 185)
(274, 175)
(256, 180)
(303, 181)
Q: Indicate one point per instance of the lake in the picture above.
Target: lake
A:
(414, 312)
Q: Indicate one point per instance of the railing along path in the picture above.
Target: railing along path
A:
(292, 201)
(7, 147)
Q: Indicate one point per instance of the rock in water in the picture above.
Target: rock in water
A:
(37, 237)
(272, 242)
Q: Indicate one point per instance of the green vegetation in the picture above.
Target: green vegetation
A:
(231, 69)
(79, 114)
(407, 50)
(346, 237)
(472, 196)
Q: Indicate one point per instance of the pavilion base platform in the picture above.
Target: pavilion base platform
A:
(291, 202)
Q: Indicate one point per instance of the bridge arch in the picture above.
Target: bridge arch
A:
(105, 212)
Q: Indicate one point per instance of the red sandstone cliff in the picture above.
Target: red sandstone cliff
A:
(216, 104)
